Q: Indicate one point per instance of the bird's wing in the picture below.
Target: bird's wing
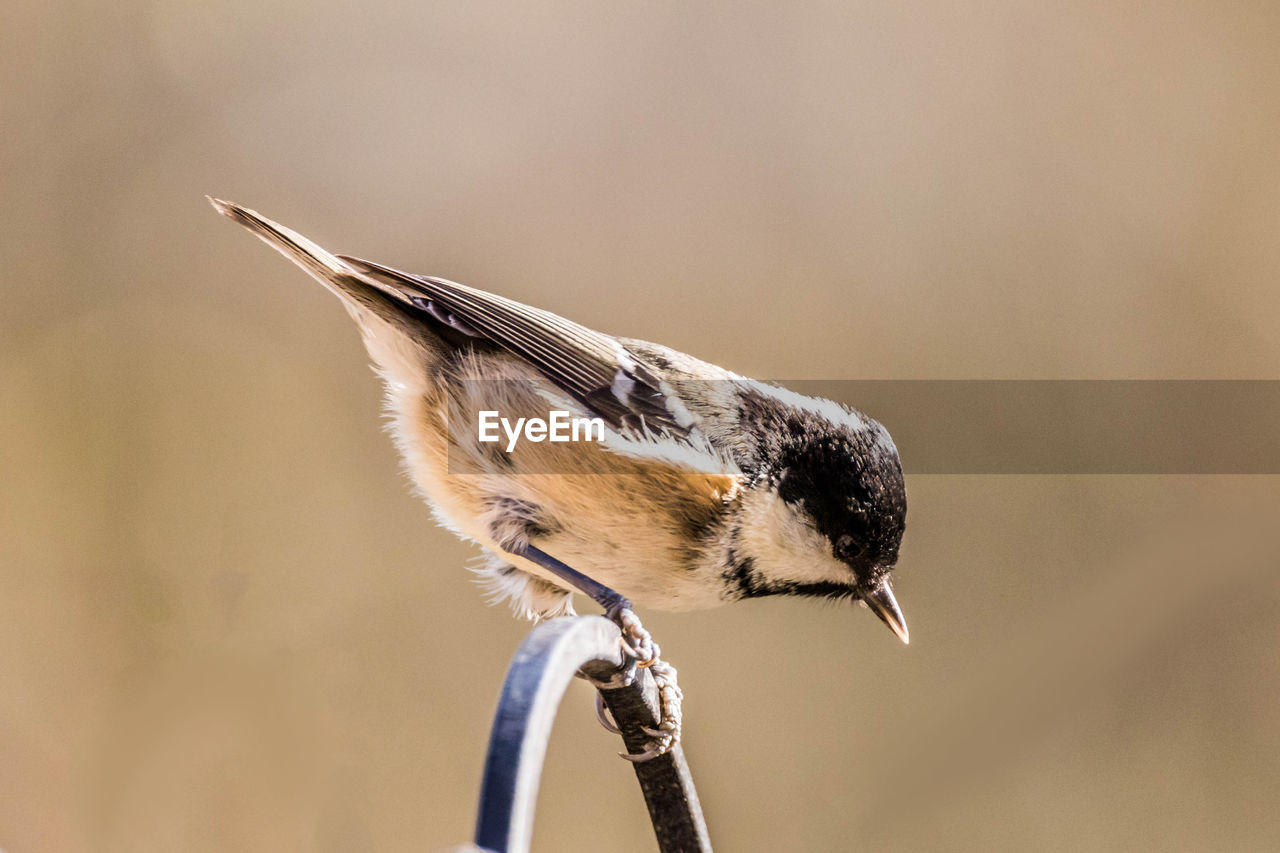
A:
(597, 370)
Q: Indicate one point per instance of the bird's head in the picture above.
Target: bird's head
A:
(826, 514)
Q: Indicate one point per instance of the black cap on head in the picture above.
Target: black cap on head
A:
(849, 481)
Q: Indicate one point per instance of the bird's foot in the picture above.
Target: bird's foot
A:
(639, 647)
(637, 642)
(670, 699)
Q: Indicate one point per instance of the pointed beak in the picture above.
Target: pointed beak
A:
(884, 605)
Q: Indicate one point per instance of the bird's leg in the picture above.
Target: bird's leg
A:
(637, 644)
(636, 640)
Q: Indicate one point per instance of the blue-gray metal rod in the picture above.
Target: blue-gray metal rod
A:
(542, 668)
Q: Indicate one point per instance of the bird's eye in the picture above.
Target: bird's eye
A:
(848, 548)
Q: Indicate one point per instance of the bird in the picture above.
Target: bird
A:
(697, 486)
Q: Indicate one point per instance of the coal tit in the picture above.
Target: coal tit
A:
(708, 487)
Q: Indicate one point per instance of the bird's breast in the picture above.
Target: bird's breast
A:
(645, 530)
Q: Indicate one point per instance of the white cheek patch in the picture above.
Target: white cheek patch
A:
(785, 546)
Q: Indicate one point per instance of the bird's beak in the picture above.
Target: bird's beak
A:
(884, 605)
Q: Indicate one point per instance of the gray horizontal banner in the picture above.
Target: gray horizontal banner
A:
(1072, 426)
(959, 426)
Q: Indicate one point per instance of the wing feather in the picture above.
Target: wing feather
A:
(597, 369)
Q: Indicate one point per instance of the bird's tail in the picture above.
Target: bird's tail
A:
(322, 264)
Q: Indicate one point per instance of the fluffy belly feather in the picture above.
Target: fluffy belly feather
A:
(644, 530)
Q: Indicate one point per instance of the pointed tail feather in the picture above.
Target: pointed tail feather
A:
(321, 264)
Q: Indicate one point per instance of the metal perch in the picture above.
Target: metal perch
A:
(542, 668)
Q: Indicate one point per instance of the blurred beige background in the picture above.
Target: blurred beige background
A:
(227, 625)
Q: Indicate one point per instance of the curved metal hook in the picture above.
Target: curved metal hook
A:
(540, 672)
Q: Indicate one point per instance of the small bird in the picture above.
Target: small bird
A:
(702, 487)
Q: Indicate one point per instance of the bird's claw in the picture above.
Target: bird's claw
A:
(670, 699)
(641, 651)
(641, 757)
(602, 715)
(638, 644)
